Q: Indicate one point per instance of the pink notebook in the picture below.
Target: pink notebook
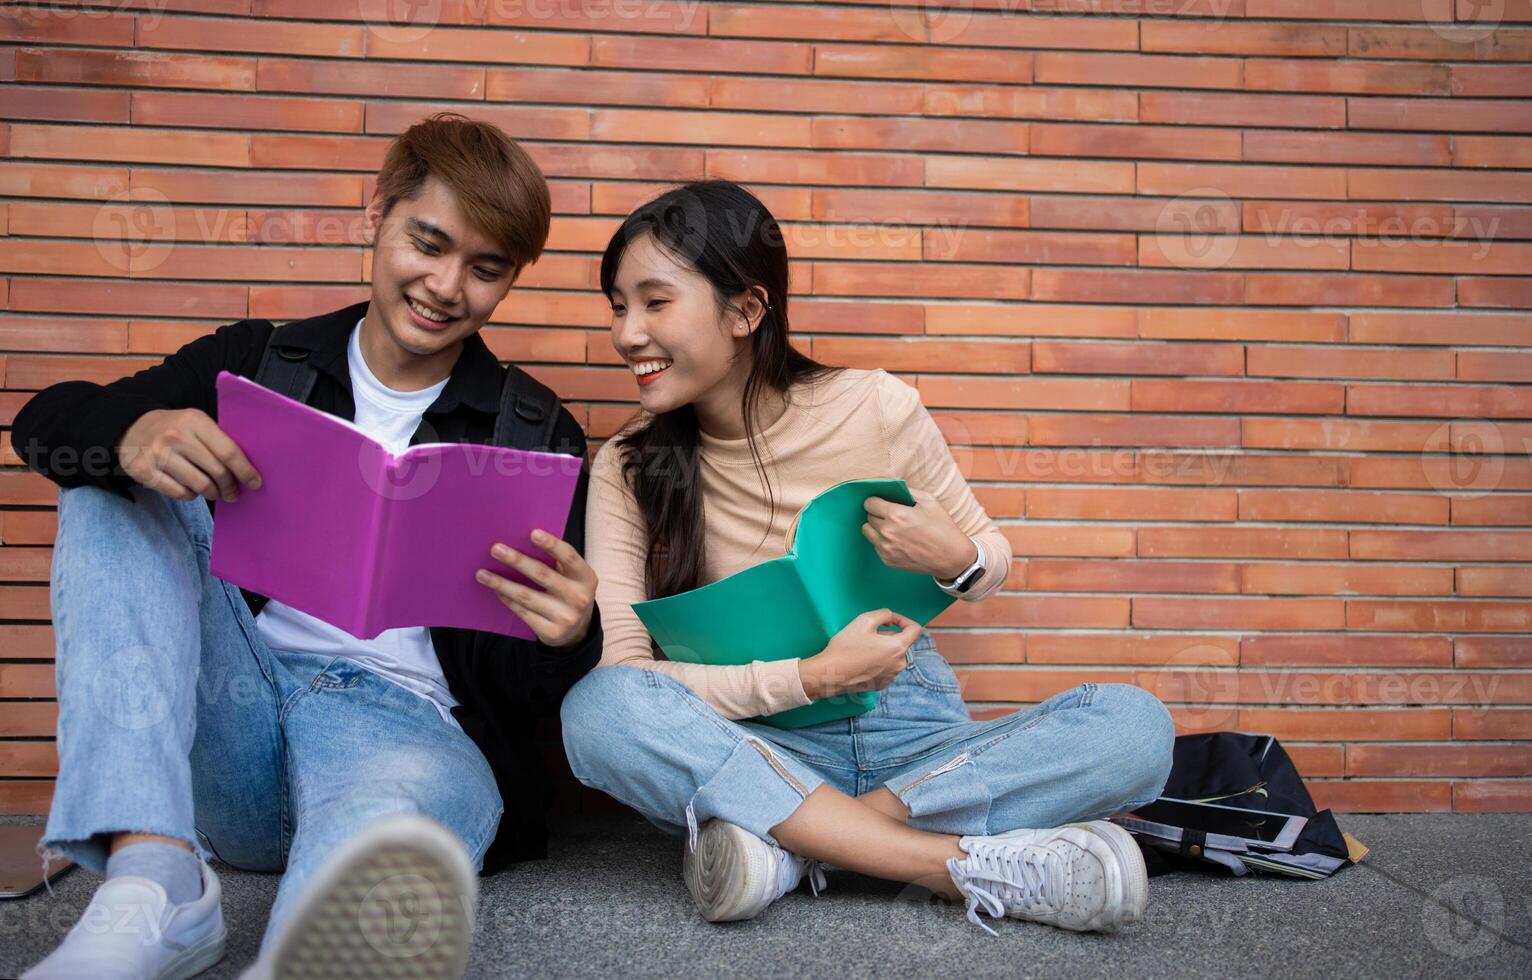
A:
(367, 541)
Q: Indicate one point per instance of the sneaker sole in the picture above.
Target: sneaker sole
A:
(396, 901)
(1134, 877)
(194, 959)
(720, 872)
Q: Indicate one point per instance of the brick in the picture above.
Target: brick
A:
(507, 47)
(983, 28)
(1014, 684)
(1137, 286)
(1444, 474)
(33, 373)
(811, 95)
(1105, 213)
(1341, 434)
(1495, 292)
(1136, 647)
(32, 179)
(1309, 578)
(1139, 142)
(1491, 151)
(1240, 324)
(1031, 319)
(982, 428)
(201, 34)
(1302, 183)
(832, 316)
(618, 162)
(26, 796)
(1352, 78)
(1012, 174)
(24, 565)
(705, 54)
(1344, 724)
(586, 87)
(1165, 612)
(1041, 611)
(1492, 796)
(1235, 109)
(49, 26)
(519, 122)
(1346, 289)
(1031, 540)
(921, 135)
(1435, 615)
(119, 219)
(1143, 504)
(23, 527)
(1382, 795)
(1138, 359)
(29, 333)
(1139, 70)
(1498, 366)
(1446, 687)
(1231, 37)
(916, 280)
(74, 67)
(1349, 218)
(135, 145)
(1494, 509)
(26, 602)
(1238, 396)
(1439, 401)
(1028, 247)
(1477, 329)
(1442, 545)
(1240, 542)
(1319, 650)
(656, 17)
(1240, 469)
(1342, 507)
(945, 209)
(705, 128)
(1376, 149)
(818, 168)
(1029, 102)
(1035, 393)
(922, 355)
(1137, 429)
(1002, 502)
(981, 648)
(375, 80)
(926, 63)
(1131, 576)
(57, 104)
(1491, 723)
(1478, 258)
(785, 203)
(1457, 115)
(1457, 184)
(1494, 581)
(29, 720)
(1181, 251)
(253, 189)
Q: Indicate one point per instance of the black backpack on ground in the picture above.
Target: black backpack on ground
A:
(529, 409)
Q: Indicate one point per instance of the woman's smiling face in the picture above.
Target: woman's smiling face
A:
(669, 328)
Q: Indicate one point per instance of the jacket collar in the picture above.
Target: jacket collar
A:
(476, 375)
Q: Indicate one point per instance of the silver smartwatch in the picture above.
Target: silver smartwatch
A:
(968, 576)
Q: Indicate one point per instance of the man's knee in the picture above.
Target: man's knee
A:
(1148, 741)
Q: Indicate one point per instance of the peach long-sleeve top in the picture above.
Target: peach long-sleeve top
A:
(851, 425)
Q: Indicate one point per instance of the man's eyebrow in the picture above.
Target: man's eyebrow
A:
(427, 228)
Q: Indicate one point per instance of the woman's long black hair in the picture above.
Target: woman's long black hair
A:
(728, 235)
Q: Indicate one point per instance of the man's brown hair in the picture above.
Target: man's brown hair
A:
(501, 191)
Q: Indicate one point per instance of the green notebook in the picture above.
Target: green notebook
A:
(792, 606)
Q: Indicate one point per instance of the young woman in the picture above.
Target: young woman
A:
(737, 431)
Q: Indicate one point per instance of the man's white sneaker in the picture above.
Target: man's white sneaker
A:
(733, 874)
(397, 900)
(1082, 876)
(131, 931)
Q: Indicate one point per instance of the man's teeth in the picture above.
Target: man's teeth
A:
(428, 314)
(649, 367)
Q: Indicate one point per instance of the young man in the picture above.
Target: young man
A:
(197, 720)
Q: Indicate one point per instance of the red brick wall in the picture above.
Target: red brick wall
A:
(1224, 304)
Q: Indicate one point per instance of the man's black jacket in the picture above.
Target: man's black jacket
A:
(70, 431)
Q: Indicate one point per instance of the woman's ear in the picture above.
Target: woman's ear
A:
(752, 304)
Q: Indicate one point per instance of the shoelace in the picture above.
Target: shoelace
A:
(999, 877)
(811, 869)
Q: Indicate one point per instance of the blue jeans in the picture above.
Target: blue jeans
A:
(1089, 752)
(176, 719)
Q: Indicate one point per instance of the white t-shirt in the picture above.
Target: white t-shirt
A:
(404, 656)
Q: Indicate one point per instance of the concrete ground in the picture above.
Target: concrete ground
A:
(609, 902)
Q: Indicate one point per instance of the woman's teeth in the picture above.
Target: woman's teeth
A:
(649, 367)
(426, 313)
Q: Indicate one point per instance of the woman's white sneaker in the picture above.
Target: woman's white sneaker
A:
(1082, 876)
(733, 874)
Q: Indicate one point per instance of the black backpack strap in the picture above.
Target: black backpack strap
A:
(529, 411)
(286, 370)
